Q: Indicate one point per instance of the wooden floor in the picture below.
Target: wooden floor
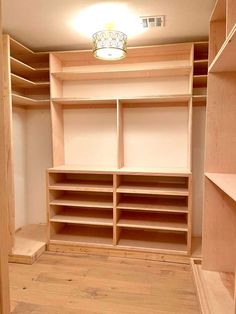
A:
(59, 284)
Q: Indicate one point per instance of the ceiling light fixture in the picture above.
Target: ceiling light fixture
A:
(109, 45)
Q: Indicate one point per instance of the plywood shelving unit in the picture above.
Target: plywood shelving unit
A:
(219, 221)
(122, 150)
(26, 86)
(200, 73)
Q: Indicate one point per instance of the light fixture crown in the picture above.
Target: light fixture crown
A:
(109, 45)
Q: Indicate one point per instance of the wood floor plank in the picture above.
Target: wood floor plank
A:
(61, 284)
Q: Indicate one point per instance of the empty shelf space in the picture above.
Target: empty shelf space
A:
(225, 58)
(199, 81)
(148, 71)
(201, 50)
(82, 235)
(81, 182)
(153, 240)
(225, 181)
(156, 185)
(161, 189)
(215, 289)
(169, 222)
(153, 204)
(21, 82)
(86, 216)
(18, 100)
(76, 200)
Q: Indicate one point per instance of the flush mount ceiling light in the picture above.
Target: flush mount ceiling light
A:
(109, 45)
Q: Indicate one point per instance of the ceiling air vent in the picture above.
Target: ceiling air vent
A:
(153, 21)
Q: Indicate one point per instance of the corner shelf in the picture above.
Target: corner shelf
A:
(18, 100)
(225, 181)
(22, 69)
(21, 82)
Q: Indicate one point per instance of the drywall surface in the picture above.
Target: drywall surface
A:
(199, 120)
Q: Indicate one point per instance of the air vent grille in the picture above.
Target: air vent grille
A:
(153, 21)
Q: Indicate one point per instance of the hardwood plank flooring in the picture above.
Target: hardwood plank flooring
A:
(89, 284)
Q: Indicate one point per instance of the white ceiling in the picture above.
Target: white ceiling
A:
(43, 24)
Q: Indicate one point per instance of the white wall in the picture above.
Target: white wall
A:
(32, 156)
(199, 120)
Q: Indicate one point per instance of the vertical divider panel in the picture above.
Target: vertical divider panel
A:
(7, 105)
(230, 15)
(48, 206)
(57, 134)
(116, 211)
(56, 89)
(120, 135)
(189, 235)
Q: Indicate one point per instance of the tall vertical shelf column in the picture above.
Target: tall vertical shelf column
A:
(26, 86)
(130, 120)
(219, 220)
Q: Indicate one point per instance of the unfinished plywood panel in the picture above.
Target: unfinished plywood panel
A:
(4, 157)
(198, 149)
(150, 134)
(30, 243)
(90, 137)
(218, 230)
(215, 289)
(221, 127)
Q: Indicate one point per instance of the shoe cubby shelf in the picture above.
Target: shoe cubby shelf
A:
(135, 211)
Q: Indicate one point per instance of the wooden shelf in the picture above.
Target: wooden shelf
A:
(200, 67)
(151, 204)
(23, 69)
(225, 58)
(181, 99)
(21, 82)
(25, 55)
(142, 188)
(199, 81)
(168, 222)
(152, 240)
(85, 216)
(94, 186)
(95, 201)
(84, 235)
(18, 100)
(215, 290)
(199, 100)
(151, 71)
(225, 181)
(178, 172)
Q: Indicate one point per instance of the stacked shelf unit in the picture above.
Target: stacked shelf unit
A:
(121, 175)
(26, 86)
(219, 231)
(200, 73)
(29, 75)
